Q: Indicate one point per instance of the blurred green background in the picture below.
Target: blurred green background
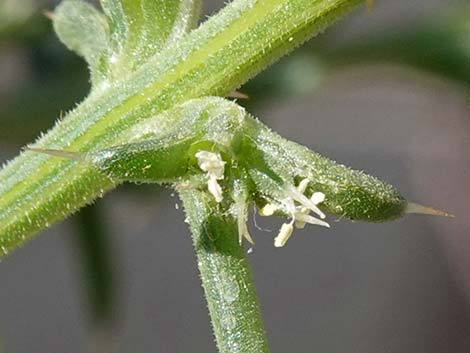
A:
(386, 91)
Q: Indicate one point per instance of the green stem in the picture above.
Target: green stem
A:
(223, 53)
(225, 275)
(97, 262)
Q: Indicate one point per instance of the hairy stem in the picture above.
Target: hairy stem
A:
(225, 275)
(228, 49)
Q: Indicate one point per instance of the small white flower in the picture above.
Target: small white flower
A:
(296, 195)
(298, 206)
(302, 215)
(213, 164)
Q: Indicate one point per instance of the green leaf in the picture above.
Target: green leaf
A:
(130, 32)
(142, 28)
(84, 30)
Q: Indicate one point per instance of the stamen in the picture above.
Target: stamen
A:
(213, 164)
(215, 189)
(298, 206)
(305, 218)
(304, 201)
(300, 214)
(317, 197)
(243, 231)
(298, 223)
(303, 185)
(284, 234)
(268, 210)
(240, 211)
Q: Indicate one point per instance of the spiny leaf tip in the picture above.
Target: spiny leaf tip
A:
(420, 209)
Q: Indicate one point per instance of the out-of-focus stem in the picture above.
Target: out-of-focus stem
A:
(97, 262)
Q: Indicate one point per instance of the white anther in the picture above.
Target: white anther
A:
(303, 185)
(213, 164)
(317, 197)
(268, 210)
(284, 234)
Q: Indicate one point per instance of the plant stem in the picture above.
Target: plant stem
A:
(97, 262)
(225, 275)
(223, 53)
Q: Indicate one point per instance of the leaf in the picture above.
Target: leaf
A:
(84, 30)
(130, 32)
(142, 28)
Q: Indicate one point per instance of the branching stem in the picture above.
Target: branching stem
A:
(225, 275)
(228, 49)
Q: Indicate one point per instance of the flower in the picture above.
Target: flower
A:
(213, 164)
(298, 206)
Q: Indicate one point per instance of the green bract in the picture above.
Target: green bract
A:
(168, 148)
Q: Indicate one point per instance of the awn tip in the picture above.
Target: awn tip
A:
(420, 209)
(58, 153)
(49, 14)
